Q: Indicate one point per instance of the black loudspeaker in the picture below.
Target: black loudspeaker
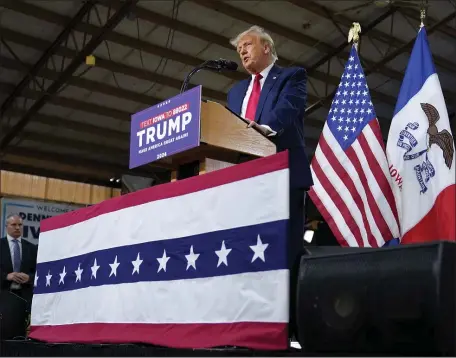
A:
(390, 301)
(13, 315)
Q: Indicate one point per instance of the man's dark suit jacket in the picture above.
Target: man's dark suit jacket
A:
(282, 107)
(28, 266)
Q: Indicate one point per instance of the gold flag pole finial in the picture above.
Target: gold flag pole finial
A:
(422, 16)
(353, 34)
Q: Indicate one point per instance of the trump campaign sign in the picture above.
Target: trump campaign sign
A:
(167, 128)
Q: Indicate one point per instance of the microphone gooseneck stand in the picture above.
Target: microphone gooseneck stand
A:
(213, 65)
(190, 75)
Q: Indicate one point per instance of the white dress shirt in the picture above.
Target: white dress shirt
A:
(14, 285)
(264, 75)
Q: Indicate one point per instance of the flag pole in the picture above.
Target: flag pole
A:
(422, 17)
(353, 34)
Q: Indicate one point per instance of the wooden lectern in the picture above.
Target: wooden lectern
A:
(225, 140)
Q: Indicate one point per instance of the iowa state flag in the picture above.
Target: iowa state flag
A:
(420, 151)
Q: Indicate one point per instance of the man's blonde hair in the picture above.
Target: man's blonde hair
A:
(264, 37)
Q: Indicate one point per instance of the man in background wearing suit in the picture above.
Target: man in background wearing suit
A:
(17, 260)
(274, 98)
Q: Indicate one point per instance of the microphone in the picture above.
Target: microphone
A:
(222, 64)
(214, 65)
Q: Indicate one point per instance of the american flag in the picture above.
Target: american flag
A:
(197, 263)
(352, 184)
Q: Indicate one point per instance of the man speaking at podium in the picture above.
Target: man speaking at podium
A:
(275, 98)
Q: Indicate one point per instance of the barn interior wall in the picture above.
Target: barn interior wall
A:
(57, 190)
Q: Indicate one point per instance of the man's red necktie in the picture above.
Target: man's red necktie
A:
(254, 97)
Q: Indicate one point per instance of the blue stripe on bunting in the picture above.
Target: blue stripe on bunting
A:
(237, 241)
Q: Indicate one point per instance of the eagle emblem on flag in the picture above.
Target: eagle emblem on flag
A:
(442, 139)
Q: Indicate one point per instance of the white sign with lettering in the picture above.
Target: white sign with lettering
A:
(31, 212)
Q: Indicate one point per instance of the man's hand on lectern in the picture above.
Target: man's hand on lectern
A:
(265, 130)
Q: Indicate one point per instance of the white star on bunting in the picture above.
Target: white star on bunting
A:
(36, 279)
(223, 255)
(191, 258)
(94, 269)
(78, 273)
(136, 264)
(62, 276)
(162, 261)
(259, 249)
(114, 267)
(48, 278)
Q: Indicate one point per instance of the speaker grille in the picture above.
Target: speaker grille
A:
(392, 300)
